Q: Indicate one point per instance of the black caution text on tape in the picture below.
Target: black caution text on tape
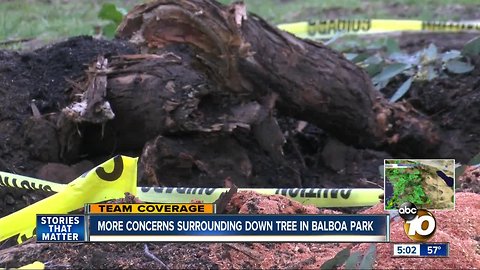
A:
(115, 173)
(6, 181)
(315, 193)
(449, 26)
(326, 27)
(180, 190)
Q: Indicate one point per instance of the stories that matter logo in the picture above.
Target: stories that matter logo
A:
(420, 224)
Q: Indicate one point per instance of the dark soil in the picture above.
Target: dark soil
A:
(39, 75)
(42, 75)
(314, 159)
(130, 255)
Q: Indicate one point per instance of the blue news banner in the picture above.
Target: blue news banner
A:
(214, 228)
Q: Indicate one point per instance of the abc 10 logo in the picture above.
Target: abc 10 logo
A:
(420, 224)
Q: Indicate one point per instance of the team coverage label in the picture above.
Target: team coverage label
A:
(158, 208)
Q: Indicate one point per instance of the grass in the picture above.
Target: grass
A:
(54, 19)
(48, 20)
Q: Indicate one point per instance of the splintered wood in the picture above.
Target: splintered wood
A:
(244, 55)
(92, 106)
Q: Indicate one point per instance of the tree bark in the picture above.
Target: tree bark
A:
(244, 55)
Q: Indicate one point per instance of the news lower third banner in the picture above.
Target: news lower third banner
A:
(213, 228)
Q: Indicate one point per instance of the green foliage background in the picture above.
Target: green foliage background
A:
(54, 19)
(407, 187)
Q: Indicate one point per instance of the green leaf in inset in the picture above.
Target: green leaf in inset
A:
(110, 12)
(472, 47)
(389, 72)
(336, 261)
(458, 67)
(369, 258)
(353, 260)
(402, 90)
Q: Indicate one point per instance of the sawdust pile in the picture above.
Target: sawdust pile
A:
(461, 228)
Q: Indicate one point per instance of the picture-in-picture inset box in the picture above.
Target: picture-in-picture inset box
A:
(427, 183)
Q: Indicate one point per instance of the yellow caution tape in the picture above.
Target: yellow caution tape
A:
(25, 182)
(328, 28)
(116, 176)
(35, 265)
(320, 197)
(107, 181)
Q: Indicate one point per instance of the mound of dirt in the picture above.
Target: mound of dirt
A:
(31, 145)
(42, 75)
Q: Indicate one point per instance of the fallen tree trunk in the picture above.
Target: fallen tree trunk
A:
(205, 73)
(207, 70)
(246, 56)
